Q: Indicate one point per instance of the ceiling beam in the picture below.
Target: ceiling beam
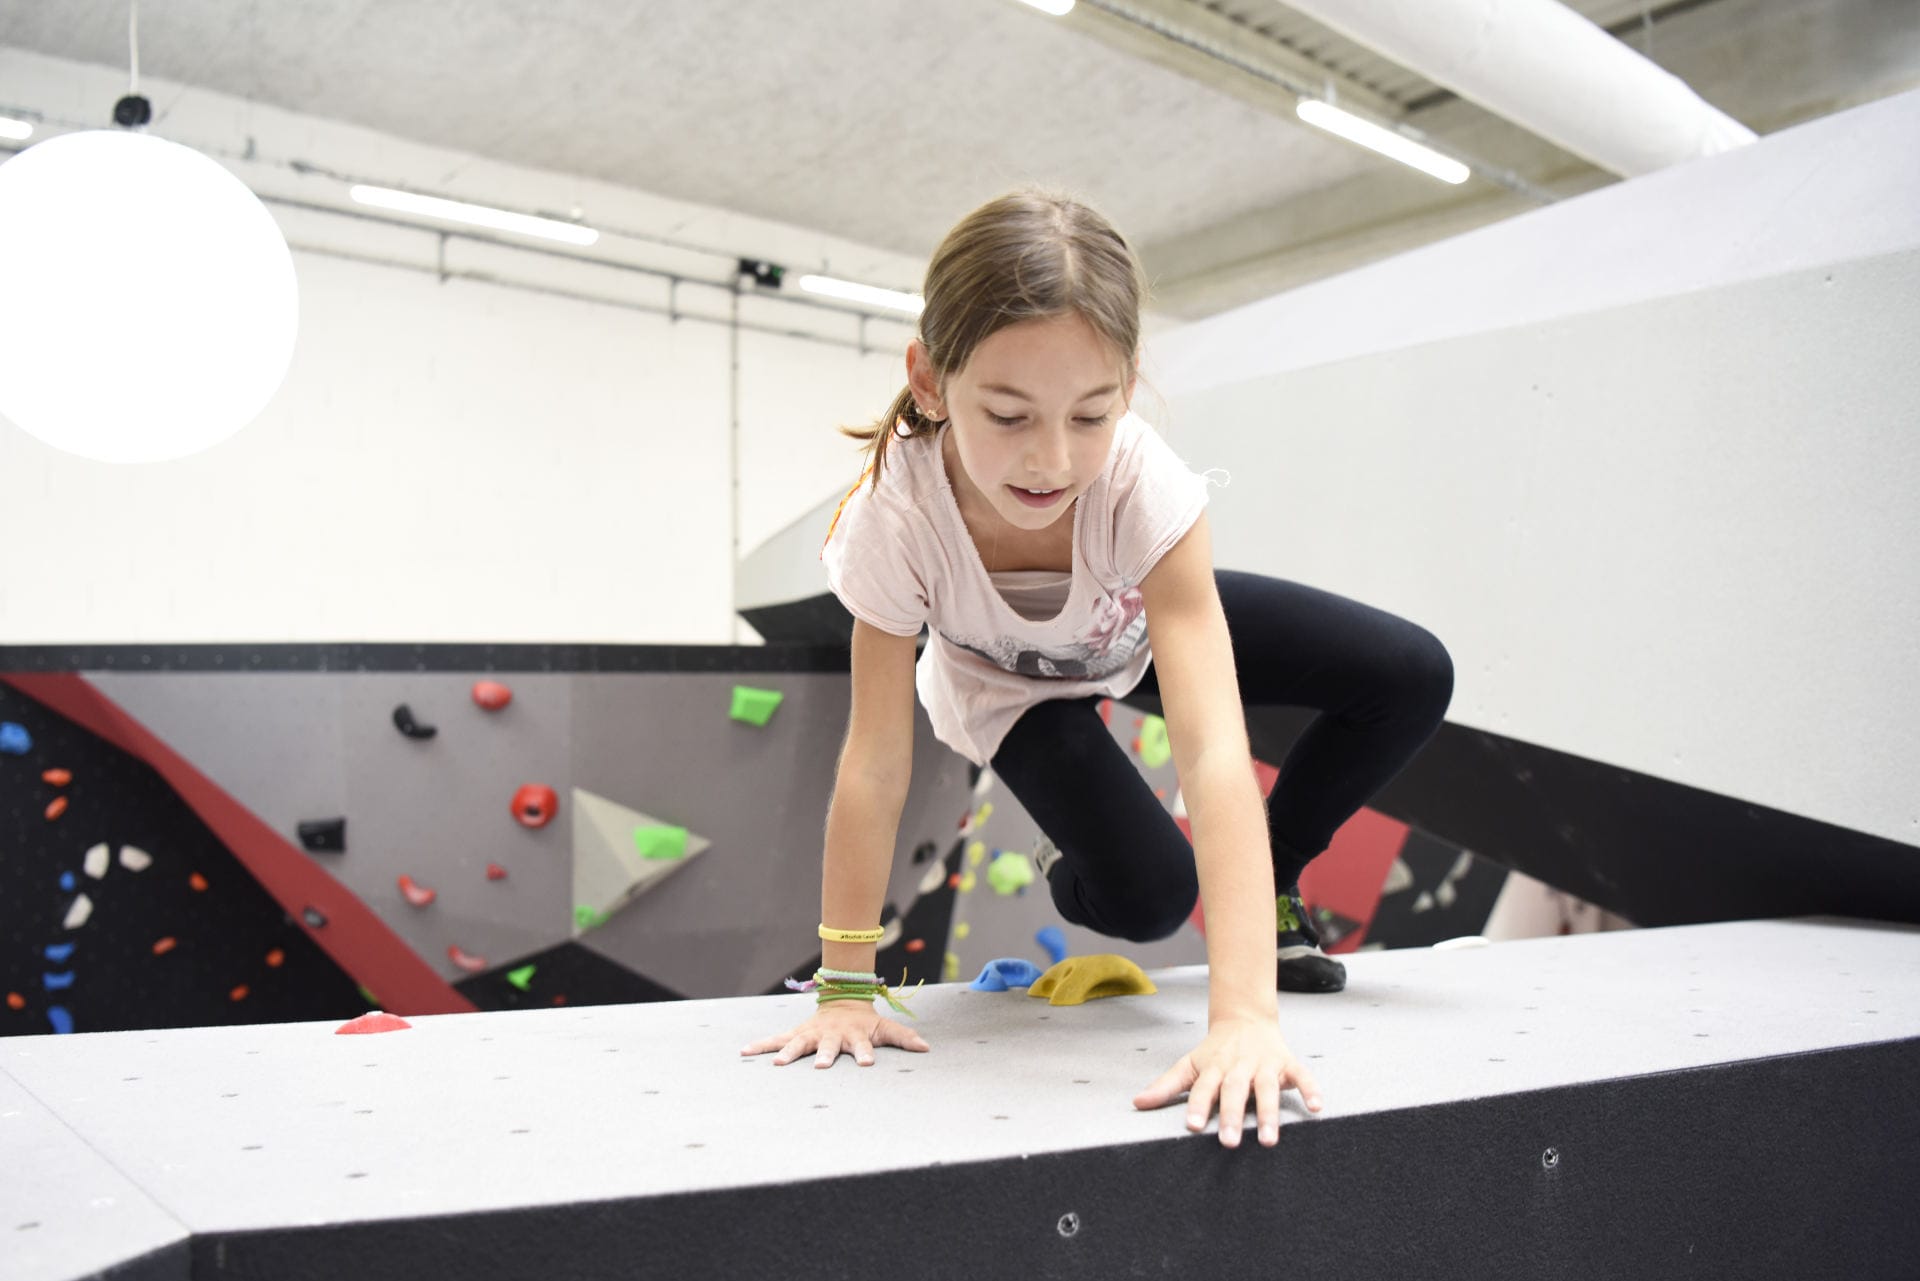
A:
(1192, 41)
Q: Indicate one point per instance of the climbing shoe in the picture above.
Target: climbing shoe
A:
(1301, 965)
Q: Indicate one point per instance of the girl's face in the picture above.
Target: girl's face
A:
(1033, 410)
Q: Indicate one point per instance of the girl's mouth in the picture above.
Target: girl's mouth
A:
(1034, 499)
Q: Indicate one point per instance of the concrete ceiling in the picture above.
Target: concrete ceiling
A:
(882, 121)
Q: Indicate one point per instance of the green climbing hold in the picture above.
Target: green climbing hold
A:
(1155, 751)
(521, 977)
(587, 918)
(1010, 872)
(755, 706)
(661, 842)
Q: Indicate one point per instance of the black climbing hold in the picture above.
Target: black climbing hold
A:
(324, 835)
(924, 851)
(404, 722)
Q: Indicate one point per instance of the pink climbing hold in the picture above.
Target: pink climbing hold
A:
(492, 695)
(466, 960)
(418, 895)
(373, 1021)
(495, 872)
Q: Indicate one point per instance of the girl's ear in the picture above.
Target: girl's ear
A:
(920, 372)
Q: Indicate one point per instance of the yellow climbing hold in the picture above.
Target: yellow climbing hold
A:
(967, 883)
(952, 967)
(1083, 978)
(961, 930)
(975, 853)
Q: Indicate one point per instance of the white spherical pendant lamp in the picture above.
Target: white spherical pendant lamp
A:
(147, 298)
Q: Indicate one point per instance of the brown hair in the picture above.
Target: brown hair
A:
(1025, 256)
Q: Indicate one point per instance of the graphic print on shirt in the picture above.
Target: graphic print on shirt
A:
(1118, 629)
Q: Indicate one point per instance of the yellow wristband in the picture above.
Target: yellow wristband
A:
(832, 935)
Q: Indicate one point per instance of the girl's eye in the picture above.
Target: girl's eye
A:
(1014, 422)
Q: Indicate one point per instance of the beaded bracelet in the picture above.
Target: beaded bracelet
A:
(846, 985)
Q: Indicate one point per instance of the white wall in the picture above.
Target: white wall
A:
(457, 460)
(1646, 460)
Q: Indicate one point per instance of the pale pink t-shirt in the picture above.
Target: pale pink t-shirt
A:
(899, 556)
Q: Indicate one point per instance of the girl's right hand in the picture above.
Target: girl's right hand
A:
(850, 1026)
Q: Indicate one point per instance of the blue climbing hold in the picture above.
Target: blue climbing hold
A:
(66, 881)
(61, 1020)
(1054, 941)
(59, 951)
(57, 982)
(1007, 972)
(14, 739)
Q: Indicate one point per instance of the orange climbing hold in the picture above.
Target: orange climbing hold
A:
(163, 946)
(58, 777)
(916, 945)
(418, 895)
(198, 881)
(15, 1001)
(56, 808)
(238, 994)
(953, 882)
(276, 958)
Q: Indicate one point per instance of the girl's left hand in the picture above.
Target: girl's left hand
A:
(1238, 1055)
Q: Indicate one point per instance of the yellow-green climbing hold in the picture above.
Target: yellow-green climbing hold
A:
(1010, 872)
(755, 706)
(1155, 751)
(661, 842)
(521, 977)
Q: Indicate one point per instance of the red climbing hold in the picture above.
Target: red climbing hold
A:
(198, 882)
(276, 958)
(162, 946)
(492, 695)
(418, 895)
(373, 1021)
(57, 808)
(466, 960)
(238, 994)
(535, 805)
(58, 777)
(15, 1001)
(495, 872)
(916, 945)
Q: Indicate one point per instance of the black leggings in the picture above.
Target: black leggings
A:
(1380, 683)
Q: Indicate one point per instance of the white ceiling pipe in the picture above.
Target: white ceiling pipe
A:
(1544, 67)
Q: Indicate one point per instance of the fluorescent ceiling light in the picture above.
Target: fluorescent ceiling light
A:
(872, 295)
(1384, 141)
(1058, 8)
(15, 130)
(478, 215)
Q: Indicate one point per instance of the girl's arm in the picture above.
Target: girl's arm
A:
(869, 791)
(1207, 730)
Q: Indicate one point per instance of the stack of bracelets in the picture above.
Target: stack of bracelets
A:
(850, 985)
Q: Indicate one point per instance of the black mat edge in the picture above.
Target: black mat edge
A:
(1800, 1165)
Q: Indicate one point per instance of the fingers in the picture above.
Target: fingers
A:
(1200, 1099)
(1309, 1088)
(829, 1050)
(1266, 1103)
(1233, 1106)
(890, 1033)
(1171, 1085)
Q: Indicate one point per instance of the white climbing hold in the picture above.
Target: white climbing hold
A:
(99, 858)
(77, 914)
(1399, 877)
(1462, 943)
(135, 859)
(1424, 903)
(934, 877)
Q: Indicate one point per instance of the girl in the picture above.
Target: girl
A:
(1059, 553)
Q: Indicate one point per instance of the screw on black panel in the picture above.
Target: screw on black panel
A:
(1069, 1224)
(1550, 1158)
